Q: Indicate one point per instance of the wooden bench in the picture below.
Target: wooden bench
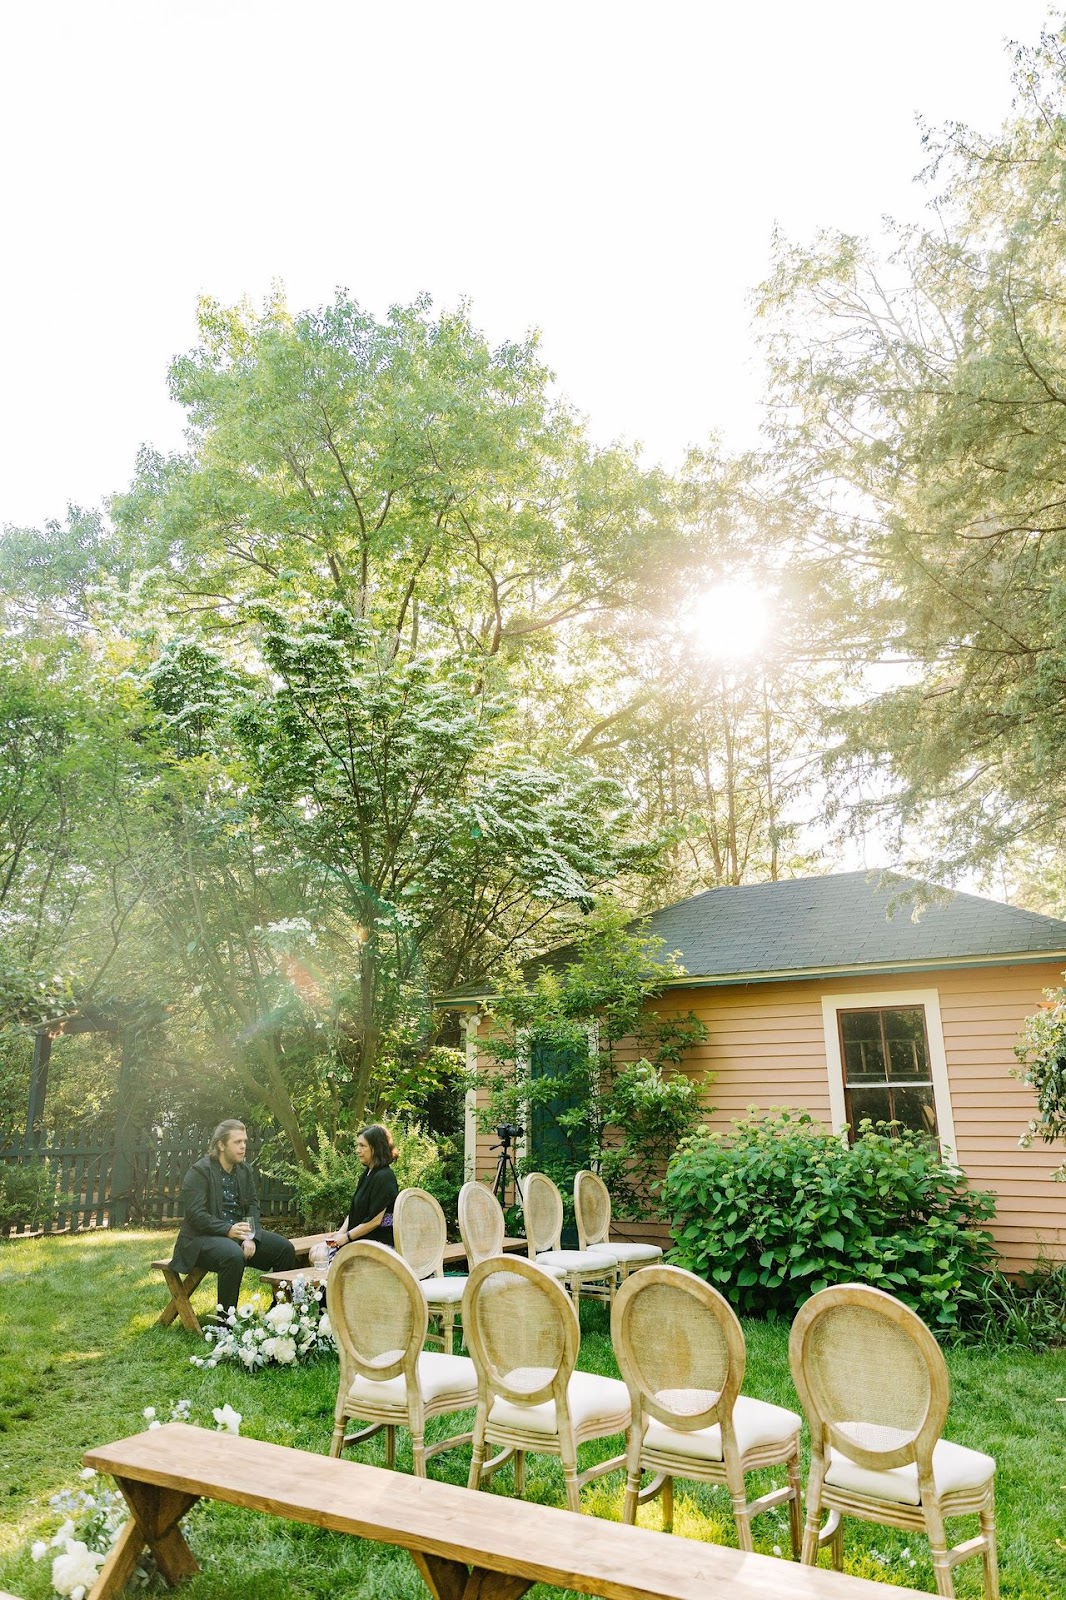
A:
(467, 1545)
(454, 1256)
(180, 1305)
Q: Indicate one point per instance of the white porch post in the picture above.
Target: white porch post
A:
(470, 1118)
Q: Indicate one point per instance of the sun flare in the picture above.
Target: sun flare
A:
(730, 621)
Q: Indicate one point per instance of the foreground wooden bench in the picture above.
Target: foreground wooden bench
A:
(467, 1545)
(180, 1305)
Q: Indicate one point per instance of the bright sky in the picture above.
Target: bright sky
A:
(607, 171)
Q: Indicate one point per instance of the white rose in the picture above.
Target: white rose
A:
(285, 1351)
(76, 1568)
(64, 1532)
(38, 1549)
(268, 1347)
(280, 1317)
(226, 1419)
(325, 1329)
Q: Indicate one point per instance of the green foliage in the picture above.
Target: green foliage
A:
(28, 1196)
(562, 1043)
(1028, 1310)
(324, 1185)
(779, 1208)
(1042, 1053)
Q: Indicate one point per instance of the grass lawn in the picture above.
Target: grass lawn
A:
(80, 1358)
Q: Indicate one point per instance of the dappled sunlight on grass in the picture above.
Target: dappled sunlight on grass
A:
(82, 1355)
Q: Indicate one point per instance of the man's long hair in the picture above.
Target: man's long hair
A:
(222, 1133)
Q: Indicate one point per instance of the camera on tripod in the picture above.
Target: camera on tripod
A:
(506, 1131)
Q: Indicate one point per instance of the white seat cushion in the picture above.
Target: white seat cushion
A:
(755, 1422)
(442, 1291)
(577, 1260)
(594, 1401)
(440, 1377)
(627, 1252)
(954, 1467)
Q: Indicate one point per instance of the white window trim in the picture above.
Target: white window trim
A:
(880, 1000)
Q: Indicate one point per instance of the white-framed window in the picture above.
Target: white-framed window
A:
(886, 1059)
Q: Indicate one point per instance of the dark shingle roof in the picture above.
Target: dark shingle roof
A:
(847, 922)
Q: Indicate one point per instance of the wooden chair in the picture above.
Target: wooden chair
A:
(421, 1233)
(523, 1333)
(592, 1210)
(379, 1318)
(482, 1226)
(542, 1207)
(681, 1351)
(875, 1388)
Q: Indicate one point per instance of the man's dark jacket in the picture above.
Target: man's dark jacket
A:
(201, 1203)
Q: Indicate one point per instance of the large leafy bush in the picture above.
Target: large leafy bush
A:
(779, 1207)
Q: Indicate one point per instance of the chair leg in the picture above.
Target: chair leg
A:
(336, 1444)
(477, 1450)
(938, 1541)
(390, 1446)
(795, 1509)
(448, 1325)
(809, 1552)
(418, 1452)
(668, 1505)
(573, 1493)
(989, 1562)
(519, 1472)
(836, 1547)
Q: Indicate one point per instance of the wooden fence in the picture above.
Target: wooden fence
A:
(89, 1177)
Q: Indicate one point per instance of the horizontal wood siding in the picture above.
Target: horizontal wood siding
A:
(765, 1047)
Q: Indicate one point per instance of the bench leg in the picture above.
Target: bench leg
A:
(453, 1580)
(153, 1524)
(180, 1290)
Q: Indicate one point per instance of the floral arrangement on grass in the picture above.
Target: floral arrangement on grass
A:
(287, 1333)
(94, 1516)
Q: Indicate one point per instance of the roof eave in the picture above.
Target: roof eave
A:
(873, 969)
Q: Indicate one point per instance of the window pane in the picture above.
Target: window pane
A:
(873, 1103)
(907, 1053)
(864, 1059)
(914, 1109)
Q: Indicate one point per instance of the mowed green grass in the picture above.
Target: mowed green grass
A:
(81, 1356)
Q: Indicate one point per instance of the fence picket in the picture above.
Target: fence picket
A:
(82, 1165)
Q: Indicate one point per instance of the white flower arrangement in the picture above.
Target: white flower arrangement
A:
(284, 1334)
(94, 1517)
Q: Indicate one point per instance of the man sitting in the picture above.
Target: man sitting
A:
(220, 1229)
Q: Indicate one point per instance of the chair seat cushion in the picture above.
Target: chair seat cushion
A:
(756, 1422)
(596, 1402)
(627, 1252)
(955, 1467)
(577, 1260)
(442, 1291)
(440, 1377)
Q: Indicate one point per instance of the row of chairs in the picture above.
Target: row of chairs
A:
(595, 1268)
(870, 1375)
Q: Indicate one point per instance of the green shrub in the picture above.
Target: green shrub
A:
(27, 1194)
(779, 1208)
(324, 1190)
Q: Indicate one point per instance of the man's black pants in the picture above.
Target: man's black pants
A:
(226, 1257)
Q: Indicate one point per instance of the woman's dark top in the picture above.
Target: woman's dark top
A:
(376, 1191)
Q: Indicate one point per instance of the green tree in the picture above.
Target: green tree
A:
(921, 420)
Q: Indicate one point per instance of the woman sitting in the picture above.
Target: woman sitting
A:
(370, 1214)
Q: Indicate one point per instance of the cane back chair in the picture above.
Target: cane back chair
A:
(542, 1207)
(522, 1331)
(592, 1211)
(681, 1351)
(379, 1318)
(421, 1233)
(874, 1385)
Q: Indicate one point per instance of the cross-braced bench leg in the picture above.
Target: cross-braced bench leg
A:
(453, 1580)
(154, 1523)
(180, 1290)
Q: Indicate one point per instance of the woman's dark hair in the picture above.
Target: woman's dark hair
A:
(222, 1133)
(381, 1146)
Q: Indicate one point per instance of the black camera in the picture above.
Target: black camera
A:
(508, 1131)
